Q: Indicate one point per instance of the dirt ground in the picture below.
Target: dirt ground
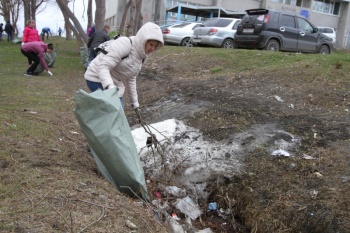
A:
(65, 193)
(275, 194)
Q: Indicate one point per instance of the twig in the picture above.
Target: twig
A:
(102, 215)
(28, 198)
(102, 206)
(135, 195)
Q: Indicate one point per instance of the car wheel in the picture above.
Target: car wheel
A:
(273, 46)
(186, 42)
(324, 49)
(228, 44)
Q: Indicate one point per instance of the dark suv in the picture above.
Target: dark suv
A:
(275, 30)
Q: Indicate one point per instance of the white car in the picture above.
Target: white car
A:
(180, 34)
(216, 32)
(328, 31)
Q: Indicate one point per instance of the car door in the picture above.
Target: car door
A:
(288, 31)
(307, 39)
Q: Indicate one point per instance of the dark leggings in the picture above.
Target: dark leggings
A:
(93, 86)
(31, 56)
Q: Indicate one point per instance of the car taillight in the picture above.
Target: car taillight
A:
(212, 31)
(267, 17)
(166, 31)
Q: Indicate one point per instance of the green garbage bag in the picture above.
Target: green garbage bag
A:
(84, 56)
(104, 124)
(50, 59)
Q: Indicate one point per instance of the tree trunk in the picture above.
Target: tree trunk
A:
(76, 28)
(138, 17)
(125, 14)
(263, 3)
(129, 27)
(89, 14)
(100, 14)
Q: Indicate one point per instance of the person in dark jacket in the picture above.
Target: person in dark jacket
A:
(98, 38)
(47, 31)
(9, 31)
(1, 30)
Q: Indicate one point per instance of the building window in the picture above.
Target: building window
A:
(290, 2)
(326, 6)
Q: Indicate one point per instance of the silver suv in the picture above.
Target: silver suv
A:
(216, 32)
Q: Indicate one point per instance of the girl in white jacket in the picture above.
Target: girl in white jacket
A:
(122, 60)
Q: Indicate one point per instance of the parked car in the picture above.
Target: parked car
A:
(275, 30)
(328, 31)
(216, 32)
(180, 34)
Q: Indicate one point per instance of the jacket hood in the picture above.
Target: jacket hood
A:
(149, 31)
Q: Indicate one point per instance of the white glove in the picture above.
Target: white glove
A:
(49, 73)
(110, 86)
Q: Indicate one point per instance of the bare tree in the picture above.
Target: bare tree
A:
(133, 9)
(100, 14)
(72, 22)
(31, 8)
(10, 9)
(89, 14)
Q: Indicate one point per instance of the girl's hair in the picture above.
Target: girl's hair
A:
(30, 21)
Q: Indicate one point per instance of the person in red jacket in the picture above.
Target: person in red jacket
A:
(36, 52)
(30, 33)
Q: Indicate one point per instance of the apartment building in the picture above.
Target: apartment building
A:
(331, 13)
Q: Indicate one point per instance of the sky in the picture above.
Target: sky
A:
(52, 17)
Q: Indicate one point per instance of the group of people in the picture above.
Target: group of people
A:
(34, 49)
(117, 68)
(8, 29)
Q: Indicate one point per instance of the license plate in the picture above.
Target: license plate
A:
(248, 30)
(196, 40)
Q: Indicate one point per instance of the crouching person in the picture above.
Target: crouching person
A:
(122, 61)
(35, 51)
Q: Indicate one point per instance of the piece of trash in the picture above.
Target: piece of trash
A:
(158, 195)
(173, 226)
(281, 153)
(175, 217)
(345, 179)
(291, 106)
(188, 207)
(315, 135)
(130, 224)
(212, 206)
(73, 132)
(308, 157)
(313, 194)
(278, 98)
(175, 191)
(317, 174)
(346, 110)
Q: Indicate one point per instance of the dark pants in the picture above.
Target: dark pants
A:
(9, 37)
(31, 57)
(93, 86)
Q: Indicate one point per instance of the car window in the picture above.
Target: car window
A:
(181, 25)
(218, 23)
(304, 25)
(328, 30)
(235, 25)
(287, 21)
(197, 25)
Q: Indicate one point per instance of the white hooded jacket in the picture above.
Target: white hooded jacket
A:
(111, 68)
